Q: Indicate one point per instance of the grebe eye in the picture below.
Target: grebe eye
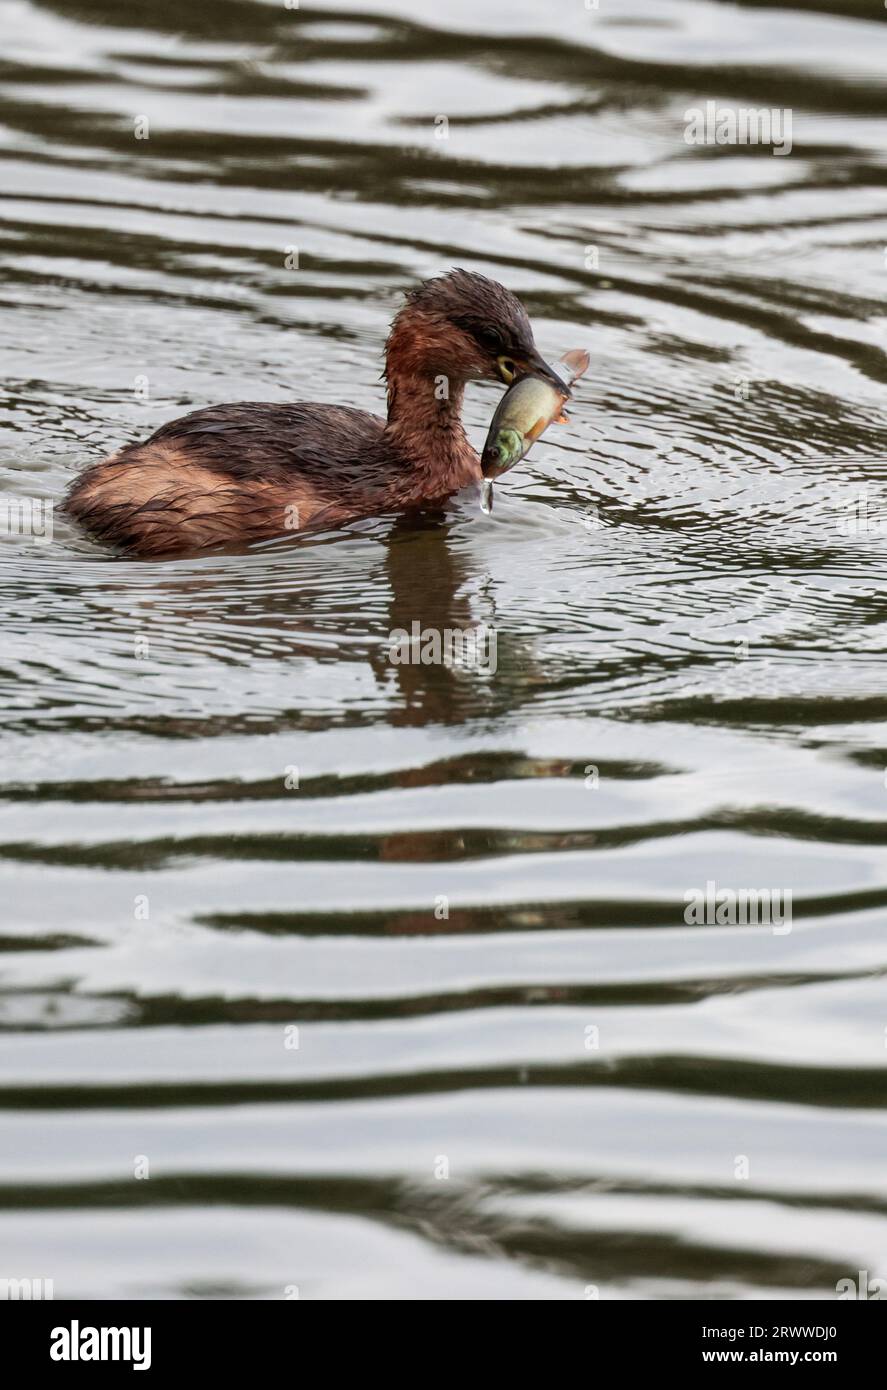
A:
(491, 341)
(507, 369)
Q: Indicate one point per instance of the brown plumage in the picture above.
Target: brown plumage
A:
(243, 472)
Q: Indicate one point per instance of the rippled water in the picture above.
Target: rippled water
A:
(519, 1071)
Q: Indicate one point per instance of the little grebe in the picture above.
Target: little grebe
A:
(245, 472)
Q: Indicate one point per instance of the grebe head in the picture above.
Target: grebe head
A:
(466, 328)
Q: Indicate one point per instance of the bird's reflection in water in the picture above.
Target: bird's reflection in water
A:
(434, 589)
(273, 608)
(434, 592)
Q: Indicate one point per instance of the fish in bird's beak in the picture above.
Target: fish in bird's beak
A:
(535, 398)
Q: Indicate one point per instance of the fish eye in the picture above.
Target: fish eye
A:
(507, 369)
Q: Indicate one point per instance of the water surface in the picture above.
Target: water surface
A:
(520, 1073)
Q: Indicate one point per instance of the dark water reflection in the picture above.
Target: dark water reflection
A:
(519, 1071)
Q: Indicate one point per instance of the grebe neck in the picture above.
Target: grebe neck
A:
(425, 424)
